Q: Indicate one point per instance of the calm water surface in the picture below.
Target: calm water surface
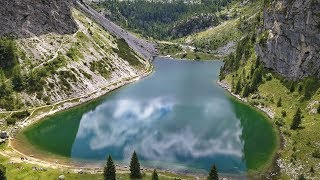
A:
(176, 118)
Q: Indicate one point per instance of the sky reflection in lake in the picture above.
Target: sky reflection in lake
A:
(178, 116)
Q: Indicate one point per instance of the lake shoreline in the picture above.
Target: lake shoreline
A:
(271, 169)
(12, 151)
(94, 169)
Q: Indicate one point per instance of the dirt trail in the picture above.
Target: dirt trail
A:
(144, 48)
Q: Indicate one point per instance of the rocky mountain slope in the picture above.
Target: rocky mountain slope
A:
(28, 18)
(62, 54)
(276, 68)
(291, 43)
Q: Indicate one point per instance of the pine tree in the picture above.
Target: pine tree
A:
(17, 79)
(135, 167)
(213, 175)
(296, 120)
(238, 87)
(109, 172)
(256, 79)
(246, 91)
(292, 88)
(232, 85)
(2, 172)
(279, 103)
(154, 175)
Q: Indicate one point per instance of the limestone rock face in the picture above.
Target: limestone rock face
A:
(292, 47)
(27, 18)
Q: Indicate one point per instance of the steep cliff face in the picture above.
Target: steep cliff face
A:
(291, 38)
(26, 18)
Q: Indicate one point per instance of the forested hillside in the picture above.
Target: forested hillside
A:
(264, 72)
(163, 19)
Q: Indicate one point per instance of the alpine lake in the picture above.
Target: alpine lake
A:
(177, 118)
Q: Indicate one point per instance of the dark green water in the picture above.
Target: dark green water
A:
(176, 118)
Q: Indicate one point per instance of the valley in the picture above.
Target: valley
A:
(112, 77)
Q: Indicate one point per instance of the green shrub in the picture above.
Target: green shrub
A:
(8, 53)
(11, 121)
(126, 53)
(74, 53)
(21, 114)
(316, 154)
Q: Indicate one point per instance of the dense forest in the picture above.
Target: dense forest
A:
(163, 19)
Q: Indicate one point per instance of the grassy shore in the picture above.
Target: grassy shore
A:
(296, 157)
(21, 169)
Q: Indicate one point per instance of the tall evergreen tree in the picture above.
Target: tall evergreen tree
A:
(296, 120)
(292, 88)
(154, 175)
(213, 175)
(135, 167)
(246, 91)
(238, 87)
(279, 103)
(109, 172)
(2, 172)
(256, 79)
(17, 79)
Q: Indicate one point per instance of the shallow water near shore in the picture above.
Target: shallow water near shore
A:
(177, 118)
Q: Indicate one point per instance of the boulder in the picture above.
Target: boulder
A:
(4, 135)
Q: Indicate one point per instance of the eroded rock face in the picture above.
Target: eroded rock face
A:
(293, 45)
(26, 18)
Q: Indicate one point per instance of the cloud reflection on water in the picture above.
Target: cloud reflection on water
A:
(151, 127)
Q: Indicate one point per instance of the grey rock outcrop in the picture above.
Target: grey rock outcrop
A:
(26, 18)
(292, 47)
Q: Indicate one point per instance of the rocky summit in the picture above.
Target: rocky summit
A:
(292, 38)
(26, 18)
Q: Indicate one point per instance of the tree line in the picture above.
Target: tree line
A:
(163, 19)
(109, 172)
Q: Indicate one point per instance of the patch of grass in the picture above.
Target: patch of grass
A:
(21, 114)
(126, 53)
(169, 49)
(101, 66)
(26, 171)
(74, 53)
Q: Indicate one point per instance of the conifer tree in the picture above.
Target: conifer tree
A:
(109, 172)
(279, 103)
(154, 175)
(296, 120)
(238, 87)
(292, 88)
(213, 175)
(2, 172)
(246, 91)
(135, 167)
